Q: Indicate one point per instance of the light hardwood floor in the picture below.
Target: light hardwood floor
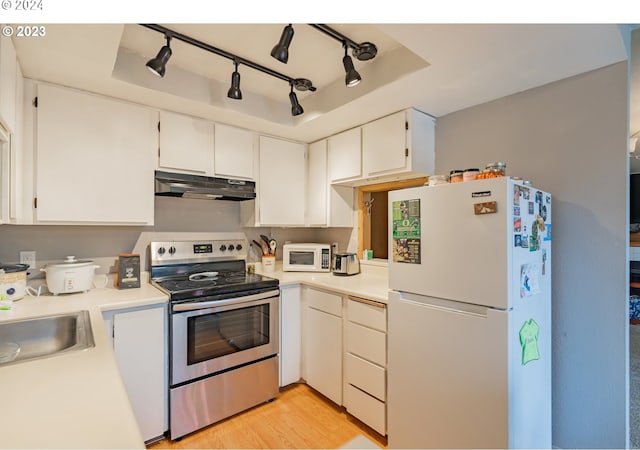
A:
(298, 418)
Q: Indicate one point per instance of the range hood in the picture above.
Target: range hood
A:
(208, 188)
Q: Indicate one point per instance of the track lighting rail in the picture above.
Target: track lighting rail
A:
(298, 83)
(334, 34)
(363, 52)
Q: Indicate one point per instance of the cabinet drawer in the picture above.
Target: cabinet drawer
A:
(368, 313)
(329, 303)
(367, 343)
(366, 376)
(366, 408)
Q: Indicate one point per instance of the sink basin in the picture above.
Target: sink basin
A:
(41, 337)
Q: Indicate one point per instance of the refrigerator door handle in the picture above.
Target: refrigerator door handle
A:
(449, 305)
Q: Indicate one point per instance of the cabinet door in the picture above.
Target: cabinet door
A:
(139, 343)
(186, 144)
(341, 206)
(17, 157)
(384, 145)
(290, 335)
(8, 68)
(317, 184)
(282, 183)
(344, 155)
(323, 353)
(95, 159)
(233, 152)
(5, 176)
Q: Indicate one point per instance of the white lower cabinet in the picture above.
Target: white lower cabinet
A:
(365, 361)
(344, 353)
(323, 343)
(140, 342)
(368, 409)
(290, 335)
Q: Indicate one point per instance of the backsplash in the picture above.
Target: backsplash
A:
(102, 244)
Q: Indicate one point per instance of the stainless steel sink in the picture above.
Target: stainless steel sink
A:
(42, 337)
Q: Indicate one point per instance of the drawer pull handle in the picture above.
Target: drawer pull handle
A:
(368, 302)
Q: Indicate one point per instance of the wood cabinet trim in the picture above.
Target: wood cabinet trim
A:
(368, 302)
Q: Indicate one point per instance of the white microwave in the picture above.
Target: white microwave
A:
(306, 257)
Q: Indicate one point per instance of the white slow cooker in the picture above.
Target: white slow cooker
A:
(70, 275)
(13, 281)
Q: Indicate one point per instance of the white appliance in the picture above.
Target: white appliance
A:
(306, 257)
(469, 324)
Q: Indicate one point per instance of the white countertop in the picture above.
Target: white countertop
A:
(371, 283)
(78, 399)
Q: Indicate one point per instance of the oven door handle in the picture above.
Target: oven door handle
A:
(229, 301)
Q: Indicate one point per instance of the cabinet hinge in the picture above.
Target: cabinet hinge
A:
(406, 152)
(35, 102)
(406, 125)
(35, 202)
(158, 125)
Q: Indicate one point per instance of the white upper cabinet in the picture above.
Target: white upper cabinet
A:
(317, 184)
(234, 153)
(95, 158)
(327, 205)
(186, 144)
(340, 199)
(344, 156)
(282, 183)
(8, 70)
(400, 144)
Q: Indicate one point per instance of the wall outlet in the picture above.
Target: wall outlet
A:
(28, 258)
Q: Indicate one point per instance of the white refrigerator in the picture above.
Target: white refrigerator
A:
(469, 316)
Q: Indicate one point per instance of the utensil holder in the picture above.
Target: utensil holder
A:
(268, 263)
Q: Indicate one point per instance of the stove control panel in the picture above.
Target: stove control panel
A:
(175, 252)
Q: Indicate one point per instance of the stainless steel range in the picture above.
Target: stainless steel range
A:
(223, 331)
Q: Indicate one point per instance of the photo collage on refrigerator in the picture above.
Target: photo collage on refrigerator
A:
(531, 226)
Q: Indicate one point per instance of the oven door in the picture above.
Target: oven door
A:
(210, 336)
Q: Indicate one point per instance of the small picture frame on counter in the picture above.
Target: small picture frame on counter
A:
(128, 275)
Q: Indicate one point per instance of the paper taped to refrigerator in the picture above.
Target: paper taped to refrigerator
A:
(529, 280)
(406, 232)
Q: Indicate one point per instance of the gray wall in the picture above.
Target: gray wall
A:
(569, 138)
(53, 243)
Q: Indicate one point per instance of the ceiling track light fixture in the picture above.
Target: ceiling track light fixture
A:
(280, 51)
(158, 64)
(352, 77)
(296, 109)
(234, 91)
(363, 52)
(301, 84)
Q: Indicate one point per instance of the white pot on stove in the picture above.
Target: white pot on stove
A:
(70, 275)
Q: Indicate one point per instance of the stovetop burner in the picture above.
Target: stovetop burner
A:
(203, 276)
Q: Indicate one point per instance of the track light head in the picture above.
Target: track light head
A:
(281, 50)
(352, 76)
(296, 108)
(158, 64)
(234, 91)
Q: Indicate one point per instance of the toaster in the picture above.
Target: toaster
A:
(346, 264)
